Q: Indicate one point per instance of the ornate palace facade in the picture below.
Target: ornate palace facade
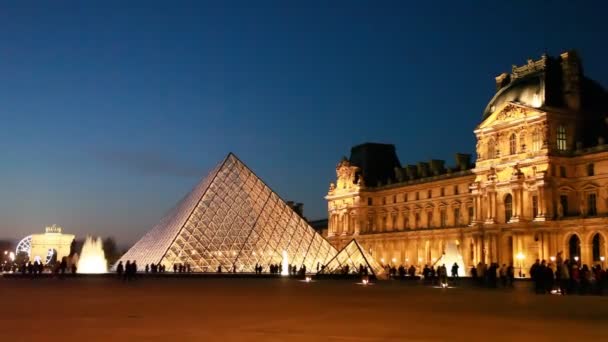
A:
(539, 184)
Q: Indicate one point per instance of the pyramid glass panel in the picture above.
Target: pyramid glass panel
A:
(234, 221)
(350, 259)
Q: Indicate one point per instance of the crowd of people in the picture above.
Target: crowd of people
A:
(568, 277)
(127, 271)
(38, 267)
(490, 275)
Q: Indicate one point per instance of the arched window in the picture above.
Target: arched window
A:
(574, 248)
(491, 149)
(561, 138)
(536, 141)
(522, 141)
(508, 207)
(597, 247)
(512, 144)
(429, 219)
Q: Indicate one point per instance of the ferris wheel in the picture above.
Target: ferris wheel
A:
(25, 245)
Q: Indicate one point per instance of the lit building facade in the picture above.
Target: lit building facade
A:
(45, 247)
(539, 185)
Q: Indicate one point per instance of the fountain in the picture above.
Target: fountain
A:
(92, 258)
(451, 256)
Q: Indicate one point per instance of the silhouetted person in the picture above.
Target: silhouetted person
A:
(133, 269)
(219, 269)
(120, 269)
(64, 265)
(147, 269)
(455, 270)
(74, 268)
(510, 274)
(174, 268)
(127, 269)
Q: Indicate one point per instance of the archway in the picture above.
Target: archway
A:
(574, 247)
(597, 247)
(508, 207)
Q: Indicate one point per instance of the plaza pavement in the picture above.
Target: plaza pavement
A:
(214, 309)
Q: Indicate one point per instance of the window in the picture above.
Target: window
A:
(455, 189)
(562, 171)
(442, 218)
(417, 218)
(591, 205)
(512, 144)
(590, 170)
(429, 194)
(561, 138)
(384, 223)
(417, 196)
(563, 200)
(442, 192)
(508, 207)
(522, 141)
(404, 197)
(369, 201)
(536, 141)
(383, 200)
(456, 216)
(534, 206)
(491, 149)
(429, 219)
(394, 198)
(471, 213)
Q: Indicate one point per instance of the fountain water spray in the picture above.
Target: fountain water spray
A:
(92, 258)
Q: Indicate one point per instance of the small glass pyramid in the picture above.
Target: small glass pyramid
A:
(233, 220)
(351, 259)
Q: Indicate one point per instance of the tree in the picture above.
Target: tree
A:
(110, 250)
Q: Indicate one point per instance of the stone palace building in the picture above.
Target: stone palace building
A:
(538, 186)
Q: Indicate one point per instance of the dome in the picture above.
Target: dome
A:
(529, 91)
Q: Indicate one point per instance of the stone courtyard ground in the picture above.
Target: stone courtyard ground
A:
(215, 309)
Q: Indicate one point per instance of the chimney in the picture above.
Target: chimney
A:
(423, 169)
(463, 161)
(572, 73)
(437, 166)
(412, 172)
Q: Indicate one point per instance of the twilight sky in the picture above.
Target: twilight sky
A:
(110, 113)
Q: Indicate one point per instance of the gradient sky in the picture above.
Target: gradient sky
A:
(112, 112)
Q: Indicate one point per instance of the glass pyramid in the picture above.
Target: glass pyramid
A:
(350, 259)
(231, 219)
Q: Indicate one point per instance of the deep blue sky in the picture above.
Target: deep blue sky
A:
(110, 112)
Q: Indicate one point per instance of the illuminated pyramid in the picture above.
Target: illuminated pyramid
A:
(350, 259)
(233, 220)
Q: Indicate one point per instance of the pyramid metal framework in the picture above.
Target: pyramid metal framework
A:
(353, 256)
(234, 220)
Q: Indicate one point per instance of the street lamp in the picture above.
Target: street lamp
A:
(552, 258)
(576, 259)
(520, 257)
(602, 259)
